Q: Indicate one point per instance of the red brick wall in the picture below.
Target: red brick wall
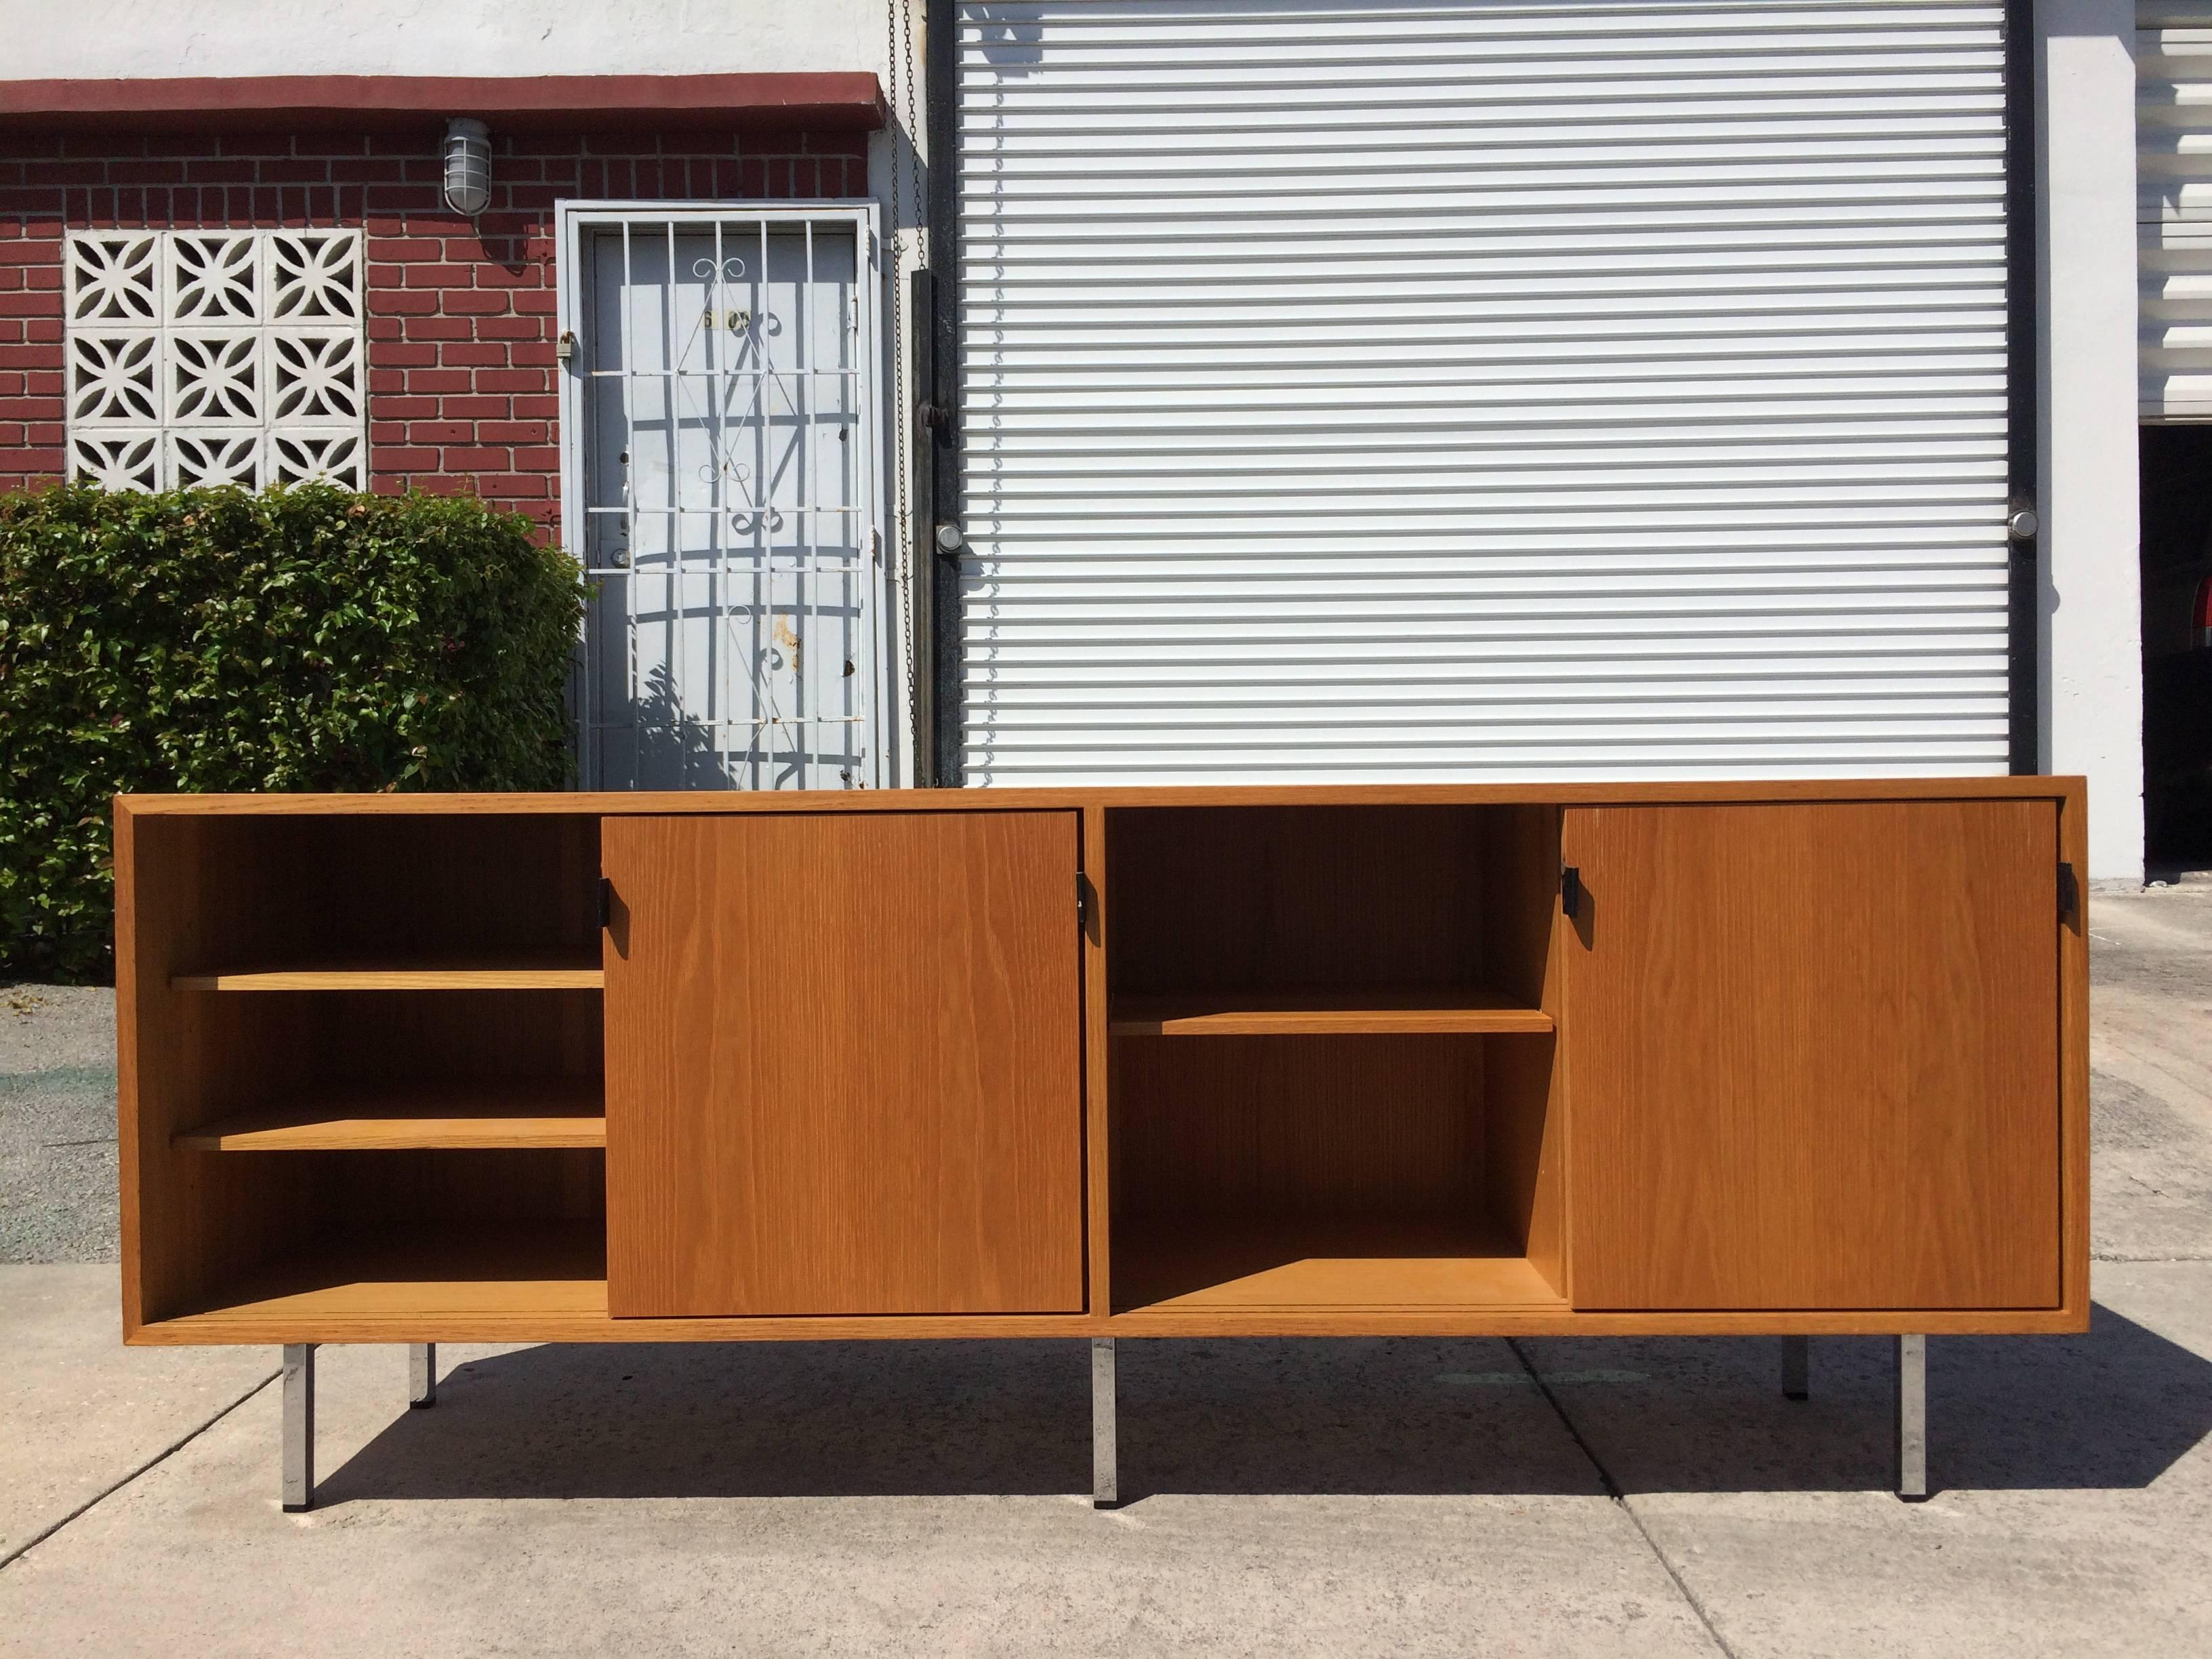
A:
(460, 312)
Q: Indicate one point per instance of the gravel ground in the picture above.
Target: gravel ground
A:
(57, 1123)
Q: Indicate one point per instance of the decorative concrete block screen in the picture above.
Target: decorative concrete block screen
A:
(215, 357)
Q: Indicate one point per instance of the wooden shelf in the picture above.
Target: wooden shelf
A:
(517, 1281)
(1273, 1264)
(490, 1273)
(495, 1113)
(1394, 1011)
(542, 1281)
(516, 971)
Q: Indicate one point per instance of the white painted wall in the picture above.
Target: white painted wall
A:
(2092, 713)
(133, 37)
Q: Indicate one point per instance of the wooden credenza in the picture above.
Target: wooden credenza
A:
(1791, 1058)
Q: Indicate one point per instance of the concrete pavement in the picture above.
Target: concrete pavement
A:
(1557, 1497)
(81, 1414)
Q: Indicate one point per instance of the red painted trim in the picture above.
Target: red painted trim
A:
(569, 102)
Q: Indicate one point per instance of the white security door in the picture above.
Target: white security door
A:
(1439, 389)
(721, 492)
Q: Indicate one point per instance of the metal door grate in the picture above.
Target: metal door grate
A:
(721, 489)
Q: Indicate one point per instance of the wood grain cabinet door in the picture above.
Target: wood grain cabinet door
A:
(844, 1057)
(1812, 1056)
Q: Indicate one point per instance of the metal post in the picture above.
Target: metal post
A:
(1105, 1484)
(1796, 1367)
(1912, 1419)
(421, 1374)
(298, 1426)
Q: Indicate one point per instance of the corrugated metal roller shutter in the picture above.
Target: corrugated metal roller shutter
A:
(2173, 200)
(1481, 390)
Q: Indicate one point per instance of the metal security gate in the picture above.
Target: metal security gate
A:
(1405, 389)
(721, 484)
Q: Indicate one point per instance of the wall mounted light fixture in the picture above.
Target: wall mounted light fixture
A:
(468, 166)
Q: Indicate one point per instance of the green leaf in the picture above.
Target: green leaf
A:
(305, 638)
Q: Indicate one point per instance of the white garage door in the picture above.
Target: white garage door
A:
(1403, 391)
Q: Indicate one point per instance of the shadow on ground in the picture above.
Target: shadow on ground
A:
(2115, 1409)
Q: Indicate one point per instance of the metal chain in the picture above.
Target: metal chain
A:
(905, 170)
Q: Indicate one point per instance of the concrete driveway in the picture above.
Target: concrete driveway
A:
(1560, 1497)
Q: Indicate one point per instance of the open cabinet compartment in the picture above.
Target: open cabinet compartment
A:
(370, 1237)
(392, 1070)
(1331, 1080)
(306, 899)
(301, 1137)
(1307, 920)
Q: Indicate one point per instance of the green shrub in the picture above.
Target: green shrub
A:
(305, 639)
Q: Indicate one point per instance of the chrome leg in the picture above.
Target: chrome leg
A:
(1912, 1417)
(1796, 1367)
(1105, 1484)
(299, 1426)
(422, 1374)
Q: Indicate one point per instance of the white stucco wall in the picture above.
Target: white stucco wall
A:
(2092, 712)
(71, 38)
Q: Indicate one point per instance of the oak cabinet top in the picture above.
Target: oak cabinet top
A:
(619, 804)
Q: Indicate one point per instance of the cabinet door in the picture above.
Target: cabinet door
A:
(843, 1063)
(1811, 1055)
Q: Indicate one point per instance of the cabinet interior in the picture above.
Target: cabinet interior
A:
(1331, 1075)
(314, 1139)
(311, 891)
(1353, 901)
